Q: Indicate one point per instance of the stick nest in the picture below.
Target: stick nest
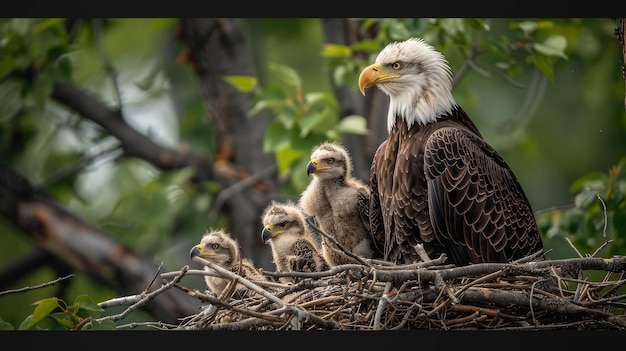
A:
(580, 293)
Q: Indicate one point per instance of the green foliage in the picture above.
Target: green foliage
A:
(300, 121)
(598, 216)
(468, 35)
(31, 47)
(162, 197)
(54, 314)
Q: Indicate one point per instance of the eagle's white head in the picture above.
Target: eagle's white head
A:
(417, 79)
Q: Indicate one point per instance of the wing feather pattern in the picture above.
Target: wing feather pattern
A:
(478, 208)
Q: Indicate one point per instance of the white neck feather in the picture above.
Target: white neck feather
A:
(420, 106)
(420, 96)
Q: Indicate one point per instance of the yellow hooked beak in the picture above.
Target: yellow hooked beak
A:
(372, 75)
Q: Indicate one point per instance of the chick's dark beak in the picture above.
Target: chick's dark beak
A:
(195, 251)
(311, 167)
(266, 234)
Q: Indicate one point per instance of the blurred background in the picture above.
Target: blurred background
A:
(138, 135)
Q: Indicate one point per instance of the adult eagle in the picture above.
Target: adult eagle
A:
(434, 180)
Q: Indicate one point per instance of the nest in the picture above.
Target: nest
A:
(579, 293)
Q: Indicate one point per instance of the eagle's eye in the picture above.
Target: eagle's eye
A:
(215, 246)
(330, 161)
(396, 65)
(282, 224)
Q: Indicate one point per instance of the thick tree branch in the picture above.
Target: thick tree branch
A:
(83, 247)
(133, 142)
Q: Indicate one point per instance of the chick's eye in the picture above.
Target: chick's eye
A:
(396, 65)
(330, 160)
(282, 224)
(215, 246)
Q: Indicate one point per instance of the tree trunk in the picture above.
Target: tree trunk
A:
(217, 48)
(373, 106)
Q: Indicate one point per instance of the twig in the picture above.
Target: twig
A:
(44, 285)
(344, 251)
(381, 305)
(606, 242)
(237, 187)
(122, 301)
(419, 248)
(146, 298)
(244, 281)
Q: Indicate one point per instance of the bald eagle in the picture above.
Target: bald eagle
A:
(435, 181)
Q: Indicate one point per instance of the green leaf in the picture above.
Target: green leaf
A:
(478, 24)
(333, 50)
(178, 177)
(244, 84)
(589, 194)
(307, 142)
(453, 25)
(318, 121)
(41, 91)
(315, 98)
(286, 74)
(553, 46)
(398, 31)
(27, 323)
(6, 65)
(10, 98)
(5, 325)
(299, 178)
(286, 157)
(309, 121)
(366, 45)
(63, 319)
(353, 124)
(274, 105)
(64, 69)
(22, 26)
(43, 309)
(48, 23)
(619, 221)
(584, 181)
(85, 302)
(526, 26)
(104, 325)
(276, 137)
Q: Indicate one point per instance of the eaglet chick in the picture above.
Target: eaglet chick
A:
(294, 248)
(339, 203)
(220, 248)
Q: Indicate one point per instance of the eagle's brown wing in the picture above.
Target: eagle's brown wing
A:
(374, 210)
(477, 206)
